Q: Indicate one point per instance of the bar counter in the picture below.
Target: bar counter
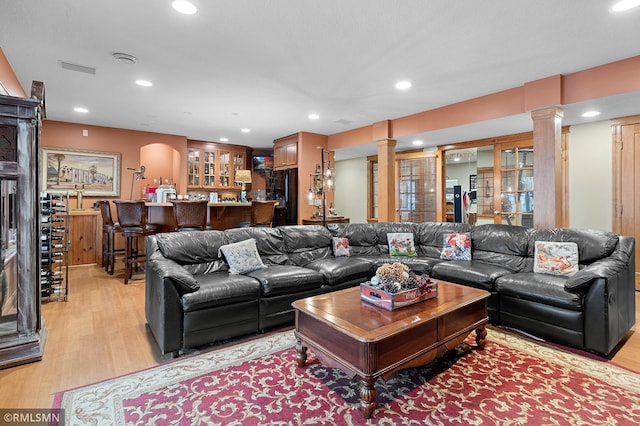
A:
(221, 215)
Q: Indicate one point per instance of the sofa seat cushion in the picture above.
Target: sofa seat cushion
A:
(473, 273)
(542, 288)
(221, 288)
(276, 280)
(336, 270)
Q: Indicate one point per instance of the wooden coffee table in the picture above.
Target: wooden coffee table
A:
(369, 342)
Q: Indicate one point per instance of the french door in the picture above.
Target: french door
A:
(416, 195)
(626, 181)
(513, 183)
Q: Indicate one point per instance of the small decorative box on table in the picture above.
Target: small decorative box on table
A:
(395, 286)
(391, 301)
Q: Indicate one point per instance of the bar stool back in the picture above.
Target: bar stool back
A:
(109, 229)
(262, 212)
(190, 215)
(132, 216)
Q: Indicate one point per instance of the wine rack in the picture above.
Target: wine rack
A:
(54, 246)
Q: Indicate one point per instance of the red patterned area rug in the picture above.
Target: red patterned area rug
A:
(513, 381)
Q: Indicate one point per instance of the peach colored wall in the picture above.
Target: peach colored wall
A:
(542, 93)
(605, 80)
(129, 143)
(309, 154)
(159, 160)
(8, 78)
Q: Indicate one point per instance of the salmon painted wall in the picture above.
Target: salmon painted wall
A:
(8, 78)
(604, 80)
(162, 155)
(309, 154)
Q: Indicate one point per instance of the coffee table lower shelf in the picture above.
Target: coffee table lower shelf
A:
(368, 342)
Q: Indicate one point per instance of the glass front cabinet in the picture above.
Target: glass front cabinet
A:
(212, 166)
(20, 317)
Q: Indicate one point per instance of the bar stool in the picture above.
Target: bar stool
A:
(261, 214)
(190, 215)
(132, 216)
(109, 229)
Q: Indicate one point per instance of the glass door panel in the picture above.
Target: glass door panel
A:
(193, 167)
(223, 170)
(9, 259)
(209, 175)
(516, 185)
(417, 189)
(373, 201)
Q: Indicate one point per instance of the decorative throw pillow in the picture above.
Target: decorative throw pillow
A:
(341, 247)
(242, 256)
(401, 244)
(456, 246)
(555, 258)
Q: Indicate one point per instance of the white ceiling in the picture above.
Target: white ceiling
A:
(266, 65)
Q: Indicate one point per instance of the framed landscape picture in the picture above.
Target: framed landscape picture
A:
(64, 170)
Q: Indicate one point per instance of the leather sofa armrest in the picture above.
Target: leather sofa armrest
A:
(604, 268)
(167, 268)
(163, 311)
(620, 261)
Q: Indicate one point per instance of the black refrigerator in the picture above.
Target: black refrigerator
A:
(284, 188)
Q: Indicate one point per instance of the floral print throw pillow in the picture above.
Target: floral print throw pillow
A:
(456, 247)
(242, 256)
(401, 244)
(341, 247)
(556, 258)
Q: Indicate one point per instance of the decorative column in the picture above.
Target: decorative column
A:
(386, 180)
(547, 167)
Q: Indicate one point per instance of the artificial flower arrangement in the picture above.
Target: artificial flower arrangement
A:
(394, 285)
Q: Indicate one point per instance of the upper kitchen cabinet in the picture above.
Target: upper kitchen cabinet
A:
(285, 152)
(213, 165)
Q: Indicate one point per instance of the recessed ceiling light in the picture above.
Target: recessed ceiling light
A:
(245, 130)
(591, 114)
(224, 139)
(144, 83)
(184, 7)
(313, 116)
(417, 142)
(403, 85)
(81, 109)
(623, 5)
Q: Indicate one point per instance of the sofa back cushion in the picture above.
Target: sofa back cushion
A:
(430, 236)
(197, 251)
(503, 245)
(362, 238)
(592, 244)
(269, 241)
(190, 247)
(306, 243)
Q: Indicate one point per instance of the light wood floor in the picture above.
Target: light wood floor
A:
(100, 333)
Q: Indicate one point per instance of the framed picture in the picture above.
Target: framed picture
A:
(473, 182)
(64, 170)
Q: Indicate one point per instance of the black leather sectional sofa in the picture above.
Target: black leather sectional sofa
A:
(192, 299)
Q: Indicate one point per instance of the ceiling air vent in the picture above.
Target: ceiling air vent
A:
(125, 58)
(79, 68)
